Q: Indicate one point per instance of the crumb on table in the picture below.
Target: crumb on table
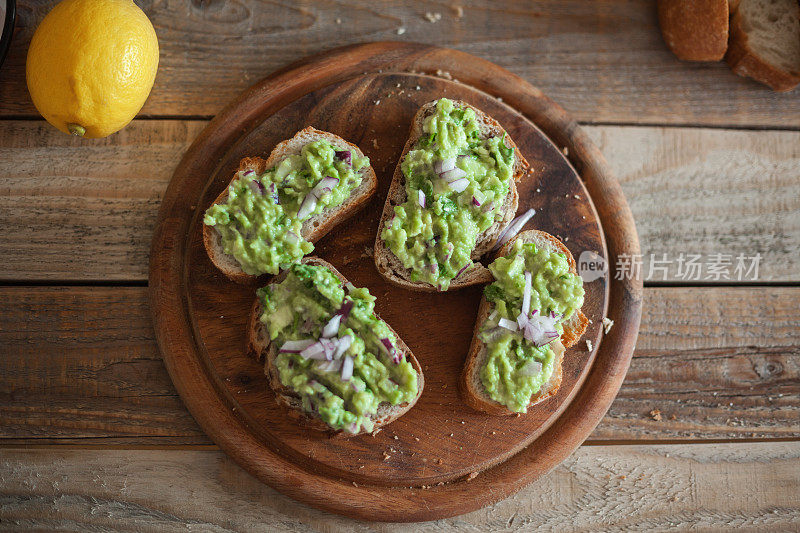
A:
(607, 324)
(655, 414)
(433, 17)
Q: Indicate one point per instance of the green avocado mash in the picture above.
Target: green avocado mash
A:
(259, 223)
(515, 369)
(436, 242)
(298, 308)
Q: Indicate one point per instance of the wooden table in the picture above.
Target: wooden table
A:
(704, 433)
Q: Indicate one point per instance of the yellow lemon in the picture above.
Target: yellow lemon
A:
(91, 65)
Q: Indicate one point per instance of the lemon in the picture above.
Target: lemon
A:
(91, 65)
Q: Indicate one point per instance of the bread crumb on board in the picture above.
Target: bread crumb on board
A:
(655, 414)
(471, 476)
(459, 11)
(588, 345)
(607, 324)
(401, 30)
(433, 17)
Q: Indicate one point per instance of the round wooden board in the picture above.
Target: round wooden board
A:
(419, 467)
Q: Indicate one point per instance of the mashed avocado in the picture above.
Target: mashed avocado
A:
(435, 242)
(260, 223)
(298, 308)
(515, 369)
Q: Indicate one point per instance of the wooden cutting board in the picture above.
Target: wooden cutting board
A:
(441, 458)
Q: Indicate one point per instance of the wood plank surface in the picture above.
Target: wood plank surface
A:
(81, 366)
(86, 209)
(706, 192)
(604, 61)
(747, 486)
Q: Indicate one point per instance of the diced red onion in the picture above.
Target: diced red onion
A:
(329, 346)
(347, 306)
(295, 346)
(314, 351)
(452, 175)
(487, 206)
(292, 238)
(531, 368)
(526, 294)
(450, 249)
(329, 366)
(513, 228)
(342, 346)
(493, 315)
(444, 165)
(347, 368)
(387, 346)
(258, 188)
(274, 194)
(344, 155)
(421, 199)
(350, 287)
(522, 321)
(332, 327)
(248, 172)
(307, 207)
(478, 198)
(325, 185)
(541, 330)
(464, 155)
(459, 185)
(462, 270)
(508, 324)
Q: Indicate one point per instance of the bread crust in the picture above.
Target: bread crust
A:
(389, 266)
(745, 61)
(695, 31)
(472, 390)
(315, 227)
(259, 346)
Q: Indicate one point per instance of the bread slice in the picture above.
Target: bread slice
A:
(765, 42)
(315, 227)
(388, 264)
(695, 31)
(260, 346)
(472, 388)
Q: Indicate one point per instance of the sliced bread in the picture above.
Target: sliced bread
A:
(695, 30)
(315, 227)
(765, 42)
(389, 265)
(472, 388)
(259, 345)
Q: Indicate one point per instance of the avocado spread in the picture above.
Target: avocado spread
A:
(260, 222)
(455, 183)
(299, 308)
(515, 368)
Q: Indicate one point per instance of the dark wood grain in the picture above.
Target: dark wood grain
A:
(81, 366)
(342, 90)
(604, 61)
(55, 186)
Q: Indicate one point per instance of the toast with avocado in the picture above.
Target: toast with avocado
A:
(275, 208)
(527, 318)
(452, 194)
(329, 358)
